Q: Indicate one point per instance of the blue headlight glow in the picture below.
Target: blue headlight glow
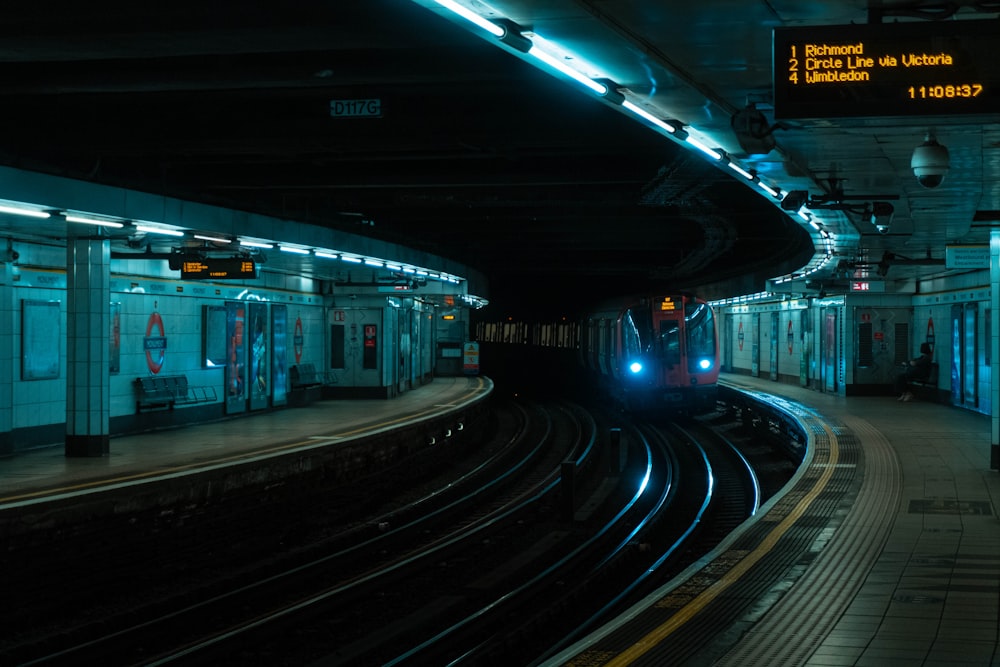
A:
(635, 367)
(704, 364)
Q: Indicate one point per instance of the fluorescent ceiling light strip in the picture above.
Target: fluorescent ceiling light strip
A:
(711, 152)
(409, 269)
(393, 267)
(638, 111)
(325, 255)
(94, 221)
(556, 64)
(469, 15)
(256, 244)
(352, 260)
(769, 190)
(214, 239)
(741, 171)
(802, 213)
(296, 251)
(158, 230)
(374, 262)
(30, 212)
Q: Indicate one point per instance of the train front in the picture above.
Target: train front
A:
(670, 354)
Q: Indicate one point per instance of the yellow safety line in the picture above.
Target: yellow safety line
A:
(703, 599)
(108, 481)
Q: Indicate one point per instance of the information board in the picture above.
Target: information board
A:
(218, 268)
(887, 69)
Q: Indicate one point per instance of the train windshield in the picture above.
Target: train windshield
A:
(669, 342)
(700, 328)
(635, 328)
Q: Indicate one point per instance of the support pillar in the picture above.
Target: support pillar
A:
(994, 349)
(88, 346)
(8, 362)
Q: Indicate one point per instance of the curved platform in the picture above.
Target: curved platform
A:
(141, 468)
(883, 550)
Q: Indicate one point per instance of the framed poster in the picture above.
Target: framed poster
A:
(279, 347)
(40, 340)
(213, 336)
(115, 343)
(257, 347)
(236, 365)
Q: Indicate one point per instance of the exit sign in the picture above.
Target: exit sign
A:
(371, 108)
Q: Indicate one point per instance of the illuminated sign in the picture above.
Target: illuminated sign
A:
(867, 286)
(219, 268)
(668, 304)
(886, 69)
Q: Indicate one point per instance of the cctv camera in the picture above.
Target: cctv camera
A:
(882, 229)
(930, 162)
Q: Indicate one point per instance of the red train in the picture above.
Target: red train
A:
(654, 353)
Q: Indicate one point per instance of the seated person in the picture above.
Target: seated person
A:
(918, 368)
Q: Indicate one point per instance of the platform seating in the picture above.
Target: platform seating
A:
(166, 391)
(304, 376)
(306, 383)
(929, 386)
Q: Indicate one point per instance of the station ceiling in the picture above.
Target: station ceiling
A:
(468, 149)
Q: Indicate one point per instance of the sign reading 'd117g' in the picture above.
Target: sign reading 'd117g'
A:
(887, 69)
(371, 108)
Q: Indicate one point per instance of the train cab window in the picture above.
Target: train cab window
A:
(632, 345)
(669, 342)
(700, 327)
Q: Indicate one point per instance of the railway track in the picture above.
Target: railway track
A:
(478, 568)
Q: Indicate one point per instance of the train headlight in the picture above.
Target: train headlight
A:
(704, 364)
(635, 367)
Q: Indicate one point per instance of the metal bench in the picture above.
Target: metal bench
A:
(303, 376)
(166, 391)
(929, 384)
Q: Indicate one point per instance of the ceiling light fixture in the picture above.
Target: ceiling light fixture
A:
(94, 221)
(256, 244)
(472, 17)
(661, 124)
(612, 93)
(29, 212)
(325, 255)
(574, 74)
(769, 190)
(511, 35)
(352, 260)
(158, 230)
(741, 171)
(710, 152)
(293, 250)
(213, 239)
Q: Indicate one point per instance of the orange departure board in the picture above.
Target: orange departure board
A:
(218, 268)
(887, 69)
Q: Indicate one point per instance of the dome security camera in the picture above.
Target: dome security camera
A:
(930, 162)
(882, 228)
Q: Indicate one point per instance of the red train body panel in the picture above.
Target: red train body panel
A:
(654, 353)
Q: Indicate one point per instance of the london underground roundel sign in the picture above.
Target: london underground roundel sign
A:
(155, 343)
